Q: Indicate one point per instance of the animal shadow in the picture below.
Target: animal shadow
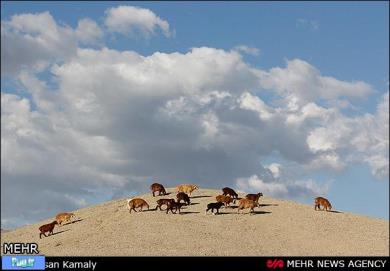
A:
(188, 212)
(194, 203)
(58, 232)
(72, 222)
(261, 212)
(337, 212)
(264, 205)
(223, 213)
(150, 210)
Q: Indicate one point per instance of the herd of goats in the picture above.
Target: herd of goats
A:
(183, 194)
(184, 191)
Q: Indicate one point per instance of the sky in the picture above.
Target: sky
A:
(101, 99)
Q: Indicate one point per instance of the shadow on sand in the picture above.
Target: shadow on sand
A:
(261, 212)
(268, 204)
(72, 222)
(245, 212)
(58, 232)
(337, 212)
(146, 210)
(188, 212)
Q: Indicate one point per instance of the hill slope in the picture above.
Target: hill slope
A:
(279, 227)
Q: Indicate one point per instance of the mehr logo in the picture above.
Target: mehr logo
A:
(275, 263)
(20, 248)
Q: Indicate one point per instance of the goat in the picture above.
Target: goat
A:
(183, 196)
(64, 217)
(135, 203)
(322, 201)
(247, 203)
(224, 199)
(174, 205)
(254, 197)
(214, 205)
(156, 187)
(47, 228)
(228, 191)
(162, 202)
(187, 188)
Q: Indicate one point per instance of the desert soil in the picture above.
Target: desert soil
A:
(279, 227)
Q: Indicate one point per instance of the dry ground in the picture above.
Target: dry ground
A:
(279, 227)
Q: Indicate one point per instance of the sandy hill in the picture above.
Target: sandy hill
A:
(279, 227)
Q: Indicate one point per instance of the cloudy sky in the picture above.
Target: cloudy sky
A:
(99, 100)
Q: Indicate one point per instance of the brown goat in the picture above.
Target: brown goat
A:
(187, 188)
(162, 202)
(47, 228)
(247, 203)
(156, 187)
(183, 196)
(64, 217)
(136, 203)
(174, 205)
(254, 197)
(322, 201)
(228, 191)
(224, 199)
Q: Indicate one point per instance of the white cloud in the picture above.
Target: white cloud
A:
(373, 139)
(363, 138)
(88, 32)
(303, 83)
(275, 168)
(127, 20)
(247, 50)
(283, 189)
(34, 41)
(254, 103)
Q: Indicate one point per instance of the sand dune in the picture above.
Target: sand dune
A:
(279, 227)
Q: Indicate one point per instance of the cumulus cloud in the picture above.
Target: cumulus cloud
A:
(254, 103)
(341, 139)
(300, 83)
(35, 40)
(88, 32)
(247, 50)
(127, 20)
(282, 189)
(275, 169)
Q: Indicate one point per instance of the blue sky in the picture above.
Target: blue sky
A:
(347, 42)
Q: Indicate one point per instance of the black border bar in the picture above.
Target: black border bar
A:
(270, 263)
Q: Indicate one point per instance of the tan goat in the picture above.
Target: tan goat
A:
(186, 188)
(64, 217)
(247, 204)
